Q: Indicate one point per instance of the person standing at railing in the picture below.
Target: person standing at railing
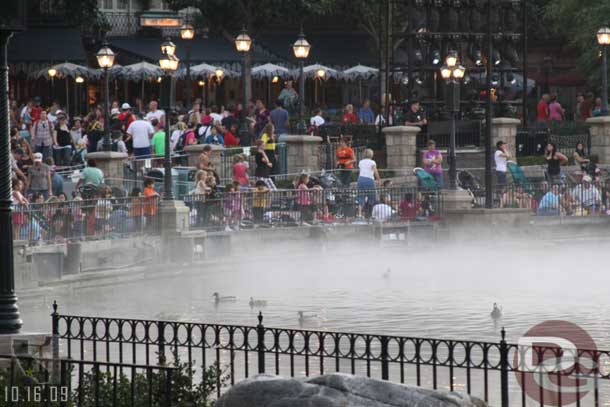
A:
(20, 205)
(155, 113)
(215, 138)
(550, 203)
(158, 139)
(304, 201)
(556, 111)
(91, 175)
(349, 117)
(263, 166)
(587, 196)
(230, 135)
(554, 159)
(365, 113)
(240, 171)
(269, 139)
(263, 117)
(39, 177)
(366, 181)
(280, 118)
(542, 109)
(43, 135)
(345, 162)
(598, 108)
(433, 163)
(501, 157)
(416, 116)
(150, 202)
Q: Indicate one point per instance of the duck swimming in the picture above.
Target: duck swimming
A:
(496, 312)
(303, 319)
(257, 303)
(218, 298)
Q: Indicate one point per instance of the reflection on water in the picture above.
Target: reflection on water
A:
(444, 292)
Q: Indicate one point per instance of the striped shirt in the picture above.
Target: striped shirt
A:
(43, 133)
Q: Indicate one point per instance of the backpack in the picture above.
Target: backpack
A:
(201, 135)
(181, 143)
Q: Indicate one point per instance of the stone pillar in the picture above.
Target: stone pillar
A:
(303, 153)
(194, 151)
(600, 138)
(111, 163)
(505, 129)
(401, 148)
(174, 217)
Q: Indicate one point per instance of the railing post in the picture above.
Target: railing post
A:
(161, 340)
(260, 347)
(168, 388)
(55, 342)
(385, 375)
(504, 369)
(63, 381)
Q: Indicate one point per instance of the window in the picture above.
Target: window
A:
(106, 4)
(122, 4)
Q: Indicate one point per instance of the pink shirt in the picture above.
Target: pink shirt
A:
(240, 173)
(555, 111)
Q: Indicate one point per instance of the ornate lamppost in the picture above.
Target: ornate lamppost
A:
(453, 73)
(243, 42)
(187, 32)
(169, 64)
(105, 59)
(301, 50)
(603, 39)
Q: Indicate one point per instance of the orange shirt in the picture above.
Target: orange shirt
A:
(345, 156)
(150, 201)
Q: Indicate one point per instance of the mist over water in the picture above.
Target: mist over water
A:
(441, 291)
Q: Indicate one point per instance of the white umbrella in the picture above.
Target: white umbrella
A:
(140, 71)
(270, 71)
(311, 71)
(360, 72)
(205, 70)
(67, 70)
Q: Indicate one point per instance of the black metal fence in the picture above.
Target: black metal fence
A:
(227, 156)
(29, 381)
(264, 207)
(82, 219)
(468, 133)
(478, 368)
(365, 135)
(564, 135)
(328, 155)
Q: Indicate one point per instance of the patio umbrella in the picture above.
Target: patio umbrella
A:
(140, 71)
(311, 71)
(360, 73)
(67, 70)
(205, 70)
(269, 72)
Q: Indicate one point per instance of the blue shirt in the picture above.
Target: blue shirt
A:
(279, 118)
(219, 140)
(366, 115)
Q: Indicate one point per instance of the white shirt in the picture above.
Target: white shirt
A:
(500, 161)
(366, 168)
(205, 130)
(382, 212)
(174, 139)
(216, 117)
(140, 131)
(317, 121)
(157, 114)
(586, 196)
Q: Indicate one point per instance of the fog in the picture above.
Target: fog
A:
(439, 289)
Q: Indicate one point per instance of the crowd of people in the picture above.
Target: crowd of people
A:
(549, 110)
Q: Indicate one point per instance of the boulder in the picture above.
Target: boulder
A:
(337, 390)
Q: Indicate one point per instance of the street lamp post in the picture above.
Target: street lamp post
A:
(453, 73)
(105, 59)
(187, 32)
(243, 42)
(301, 50)
(168, 63)
(79, 81)
(603, 39)
(10, 322)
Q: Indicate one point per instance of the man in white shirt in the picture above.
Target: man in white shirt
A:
(216, 116)
(317, 120)
(155, 113)
(501, 157)
(383, 211)
(140, 132)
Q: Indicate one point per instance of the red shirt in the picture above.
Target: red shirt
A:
(231, 140)
(408, 209)
(128, 116)
(543, 111)
(349, 118)
(35, 113)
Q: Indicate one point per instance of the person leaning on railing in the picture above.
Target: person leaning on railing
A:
(366, 181)
(345, 161)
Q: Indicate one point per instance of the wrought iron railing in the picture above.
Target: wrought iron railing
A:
(475, 367)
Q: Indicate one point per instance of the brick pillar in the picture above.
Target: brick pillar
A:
(303, 153)
(505, 129)
(111, 163)
(600, 138)
(401, 149)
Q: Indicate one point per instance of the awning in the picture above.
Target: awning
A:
(32, 50)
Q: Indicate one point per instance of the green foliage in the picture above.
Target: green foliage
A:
(578, 22)
(84, 14)
(531, 160)
(145, 388)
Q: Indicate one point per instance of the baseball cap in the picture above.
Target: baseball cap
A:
(125, 106)
(114, 111)
(587, 178)
(38, 157)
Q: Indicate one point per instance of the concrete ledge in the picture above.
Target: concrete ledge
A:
(598, 120)
(107, 155)
(199, 147)
(299, 139)
(401, 130)
(505, 121)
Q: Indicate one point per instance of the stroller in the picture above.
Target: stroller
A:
(472, 184)
(518, 176)
(425, 180)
